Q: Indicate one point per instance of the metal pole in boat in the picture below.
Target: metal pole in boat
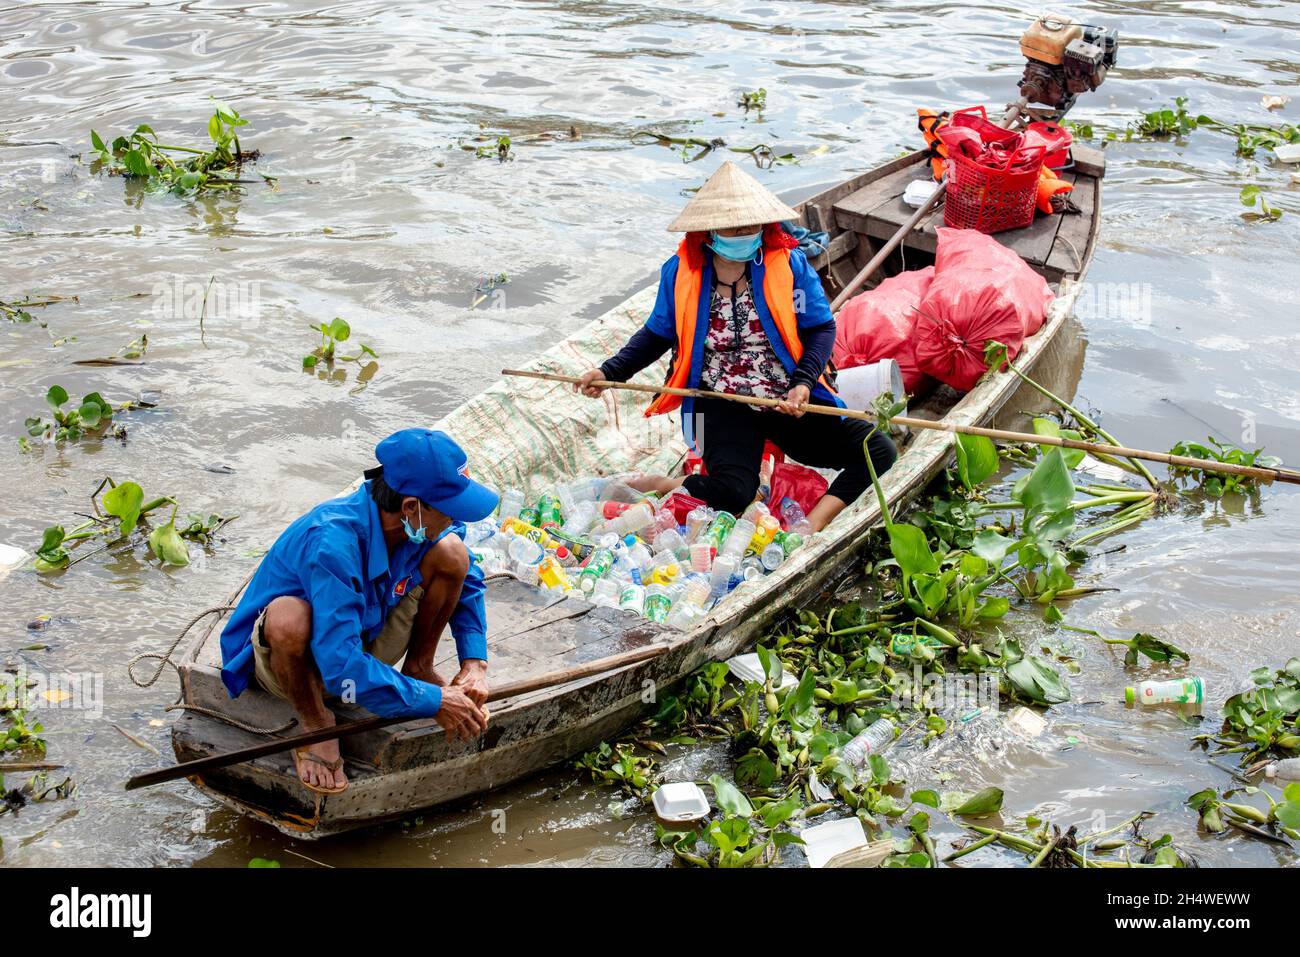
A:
(905, 230)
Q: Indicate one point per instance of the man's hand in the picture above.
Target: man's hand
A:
(472, 679)
(459, 716)
(794, 401)
(586, 387)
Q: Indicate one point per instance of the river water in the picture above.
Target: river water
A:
(382, 216)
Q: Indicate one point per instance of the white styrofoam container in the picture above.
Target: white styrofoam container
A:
(11, 558)
(821, 842)
(680, 802)
(748, 668)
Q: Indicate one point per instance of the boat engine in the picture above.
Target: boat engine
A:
(1064, 60)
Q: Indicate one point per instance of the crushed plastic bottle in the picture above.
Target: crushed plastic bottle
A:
(868, 742)
(512, 500)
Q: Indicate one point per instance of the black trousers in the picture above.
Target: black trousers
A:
(731, 437)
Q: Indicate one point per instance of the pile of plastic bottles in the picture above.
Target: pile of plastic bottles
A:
(668, 560)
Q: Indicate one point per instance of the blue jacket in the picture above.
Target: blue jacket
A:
(336, 559)
(812, 312)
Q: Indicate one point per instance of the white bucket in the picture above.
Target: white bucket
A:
(860, 386)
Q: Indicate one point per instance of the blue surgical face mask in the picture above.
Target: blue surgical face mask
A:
(737, 248)
(419, 537)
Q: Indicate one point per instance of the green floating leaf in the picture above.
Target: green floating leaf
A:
(982, 802)
(729, 797)
(910, 549)
(124, 502)
(166, 544)
(977, 459)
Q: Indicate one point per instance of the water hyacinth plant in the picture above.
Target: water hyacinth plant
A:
(182, 170)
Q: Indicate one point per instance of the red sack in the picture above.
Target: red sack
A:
(878, 324)
(981, 292)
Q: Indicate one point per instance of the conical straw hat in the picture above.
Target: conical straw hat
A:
(731, 198)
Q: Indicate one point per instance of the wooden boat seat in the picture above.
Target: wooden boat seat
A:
(1052, 244)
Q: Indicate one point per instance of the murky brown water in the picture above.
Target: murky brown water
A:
(361, 109)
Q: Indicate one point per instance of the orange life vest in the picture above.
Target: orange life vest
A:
(929, 122)
(778, 294)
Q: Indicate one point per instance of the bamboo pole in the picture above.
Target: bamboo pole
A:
(510, 690)
(1265, 475)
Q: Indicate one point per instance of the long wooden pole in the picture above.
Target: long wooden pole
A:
(869, 270)
(1266, 475)
(509, 690)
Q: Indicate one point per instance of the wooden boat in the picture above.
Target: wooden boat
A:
(523, 429)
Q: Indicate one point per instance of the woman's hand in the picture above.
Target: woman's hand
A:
(585, 386)
(794, 401)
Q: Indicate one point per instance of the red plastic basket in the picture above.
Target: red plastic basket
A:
(991, 200)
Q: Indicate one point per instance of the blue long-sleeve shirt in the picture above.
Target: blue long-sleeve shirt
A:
(816, 327)
(336, 559)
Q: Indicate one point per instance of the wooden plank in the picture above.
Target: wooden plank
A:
(1071, 246)
(839, 247)
(1033, 243)
(852, 211)
(1088, 161)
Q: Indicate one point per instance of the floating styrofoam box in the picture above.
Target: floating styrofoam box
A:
(680, 803)
(11, 558)
(749, 668)
(821, 842)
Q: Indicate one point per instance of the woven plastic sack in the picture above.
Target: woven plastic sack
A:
(878, 324)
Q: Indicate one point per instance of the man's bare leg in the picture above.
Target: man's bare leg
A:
(826, 509)
(442, 571)
(287, 632)
(660, 484)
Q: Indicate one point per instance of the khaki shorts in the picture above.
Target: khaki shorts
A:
(389, 645)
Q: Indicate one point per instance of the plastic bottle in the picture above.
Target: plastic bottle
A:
(697, 591)
(598, 566)
(751, 569)
(719, 529)
(551, 574)
(755, 512)
(683, 615)
(548, 510)
(530, 516)
(789, 541)
(697, 520)
(773, 555)
(632, 521)
(565, 557)
(701, 557)
(671, 540)
(580, 520)
(1190, 690)
(793, 517)
(724, 567)
(665, 573)
(657, 603)
(764, 533)
(478, 533)
(637, 553)
(737, 540)
(868, 742)
(606, 593)
(568, 501)
(512, 500)
(632, 599)
(1287, 769)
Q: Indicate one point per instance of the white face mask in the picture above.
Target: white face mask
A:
(418, 537)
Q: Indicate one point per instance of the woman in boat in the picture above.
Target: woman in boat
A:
(745, 313)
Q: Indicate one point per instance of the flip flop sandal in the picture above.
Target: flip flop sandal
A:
(302, 754)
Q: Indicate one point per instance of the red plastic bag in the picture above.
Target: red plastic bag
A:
(968, 249)
(981, 292)
(878, 325)
(798, 482)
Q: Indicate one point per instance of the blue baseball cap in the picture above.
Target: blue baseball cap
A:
(432, 467)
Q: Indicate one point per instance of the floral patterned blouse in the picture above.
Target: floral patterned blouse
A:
(738, 357)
